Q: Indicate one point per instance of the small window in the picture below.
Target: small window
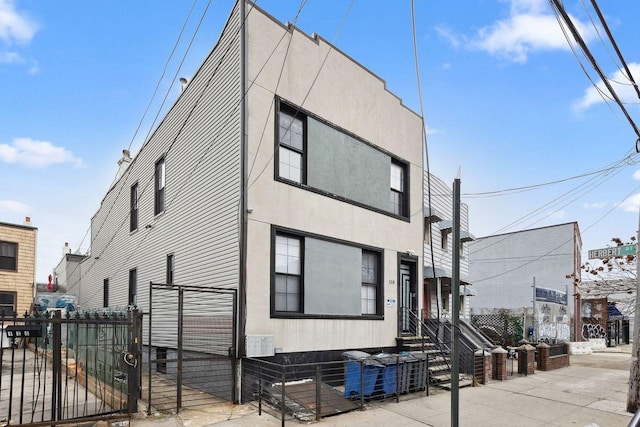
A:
(8, 256)
(105, 293)
(445, 239)
(133, 211)
(370, 282)
(159, 186)
(288, 274)
(133, 286)
(291, 130)
(170, 269)
(398, 188)
(7, 303)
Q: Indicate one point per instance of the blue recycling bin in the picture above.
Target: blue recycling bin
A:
(387, 382)
(360, 368)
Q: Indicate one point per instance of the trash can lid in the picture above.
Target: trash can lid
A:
(355, 355)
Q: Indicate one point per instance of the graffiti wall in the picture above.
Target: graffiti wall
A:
(553, 322)
(594, 318)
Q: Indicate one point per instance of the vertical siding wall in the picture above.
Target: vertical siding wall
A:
(200, 140)
(310, 73)
(21, 281)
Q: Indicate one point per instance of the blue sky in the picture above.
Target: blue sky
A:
(505, 100)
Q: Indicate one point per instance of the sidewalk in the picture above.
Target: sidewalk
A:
(591, 392)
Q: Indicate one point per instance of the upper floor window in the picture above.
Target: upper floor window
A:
(291, 131)
(444, 239)
(105, 293)
(8, 256)
(398, 188)
(288, 266)
(133, 210)
(159, 186)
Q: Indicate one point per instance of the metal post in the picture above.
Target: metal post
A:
(135, 323)
(284, 395)
(455, 289)
(56, 405)
(535, 314)
(318, 392)
(180, 330)
(149, 348)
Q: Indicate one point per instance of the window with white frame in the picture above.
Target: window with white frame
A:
(288, 274)
(445, 239)
(370, 281)
(398, 190)
(291, 128)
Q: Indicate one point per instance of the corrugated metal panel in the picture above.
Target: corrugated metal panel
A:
(200, 141)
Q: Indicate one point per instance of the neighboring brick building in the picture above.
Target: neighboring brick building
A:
(17, 266)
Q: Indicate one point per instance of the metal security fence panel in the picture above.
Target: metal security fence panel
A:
(189, 357)
(77, 367)
(307, 392)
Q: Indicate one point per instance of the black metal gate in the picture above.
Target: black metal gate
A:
(191, 351)
(56, 370)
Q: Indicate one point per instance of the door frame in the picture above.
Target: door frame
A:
(410, 261)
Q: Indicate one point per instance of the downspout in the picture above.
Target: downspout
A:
(241, 302)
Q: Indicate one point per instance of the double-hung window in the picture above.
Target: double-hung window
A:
(398, 188)
(7, 303)
(133, 210)
(291, 129)
(159, 186)
(288, 274)
(8, 256)
(370, 282)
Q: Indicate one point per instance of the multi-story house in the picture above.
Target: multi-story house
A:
(285, 171)
(505, 267)
(438, 247)
(17, 267)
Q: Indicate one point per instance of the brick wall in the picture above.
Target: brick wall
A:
(21, 281)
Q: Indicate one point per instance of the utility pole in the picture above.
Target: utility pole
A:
(633, 396)
(455, 290)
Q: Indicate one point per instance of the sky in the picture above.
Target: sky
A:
(506, 102)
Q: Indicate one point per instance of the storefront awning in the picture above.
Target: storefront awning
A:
(613, 313)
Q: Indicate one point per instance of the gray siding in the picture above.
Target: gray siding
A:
(200, 140)
(332, 275)
(346, 167)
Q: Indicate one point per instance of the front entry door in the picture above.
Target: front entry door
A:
(408, 298)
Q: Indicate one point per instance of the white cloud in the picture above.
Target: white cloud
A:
(636, 175)
(631, 204)
(595, 205)
(621, 85)
(36, 153)
(530, 27)
(15, 27)
(14, 207)
(8, 57)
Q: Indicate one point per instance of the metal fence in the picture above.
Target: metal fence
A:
(311, 391)
(190, 354)
(82, 367)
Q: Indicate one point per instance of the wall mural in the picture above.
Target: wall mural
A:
(594, 320)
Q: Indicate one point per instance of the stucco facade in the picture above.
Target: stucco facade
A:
(505, 267)
(17, 266)
(280, 142)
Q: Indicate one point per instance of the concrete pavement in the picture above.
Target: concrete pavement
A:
(591, 392)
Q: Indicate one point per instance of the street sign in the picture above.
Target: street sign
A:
(612, 252)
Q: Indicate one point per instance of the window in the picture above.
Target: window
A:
(8, 256)
(370, 281)
(444, 239)
(398, 188)
(291, 129)
(7, 303)
(105, 293)
(288, 272)
(159, 186)
(170, 269)
(133, 210)
(133, 286)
